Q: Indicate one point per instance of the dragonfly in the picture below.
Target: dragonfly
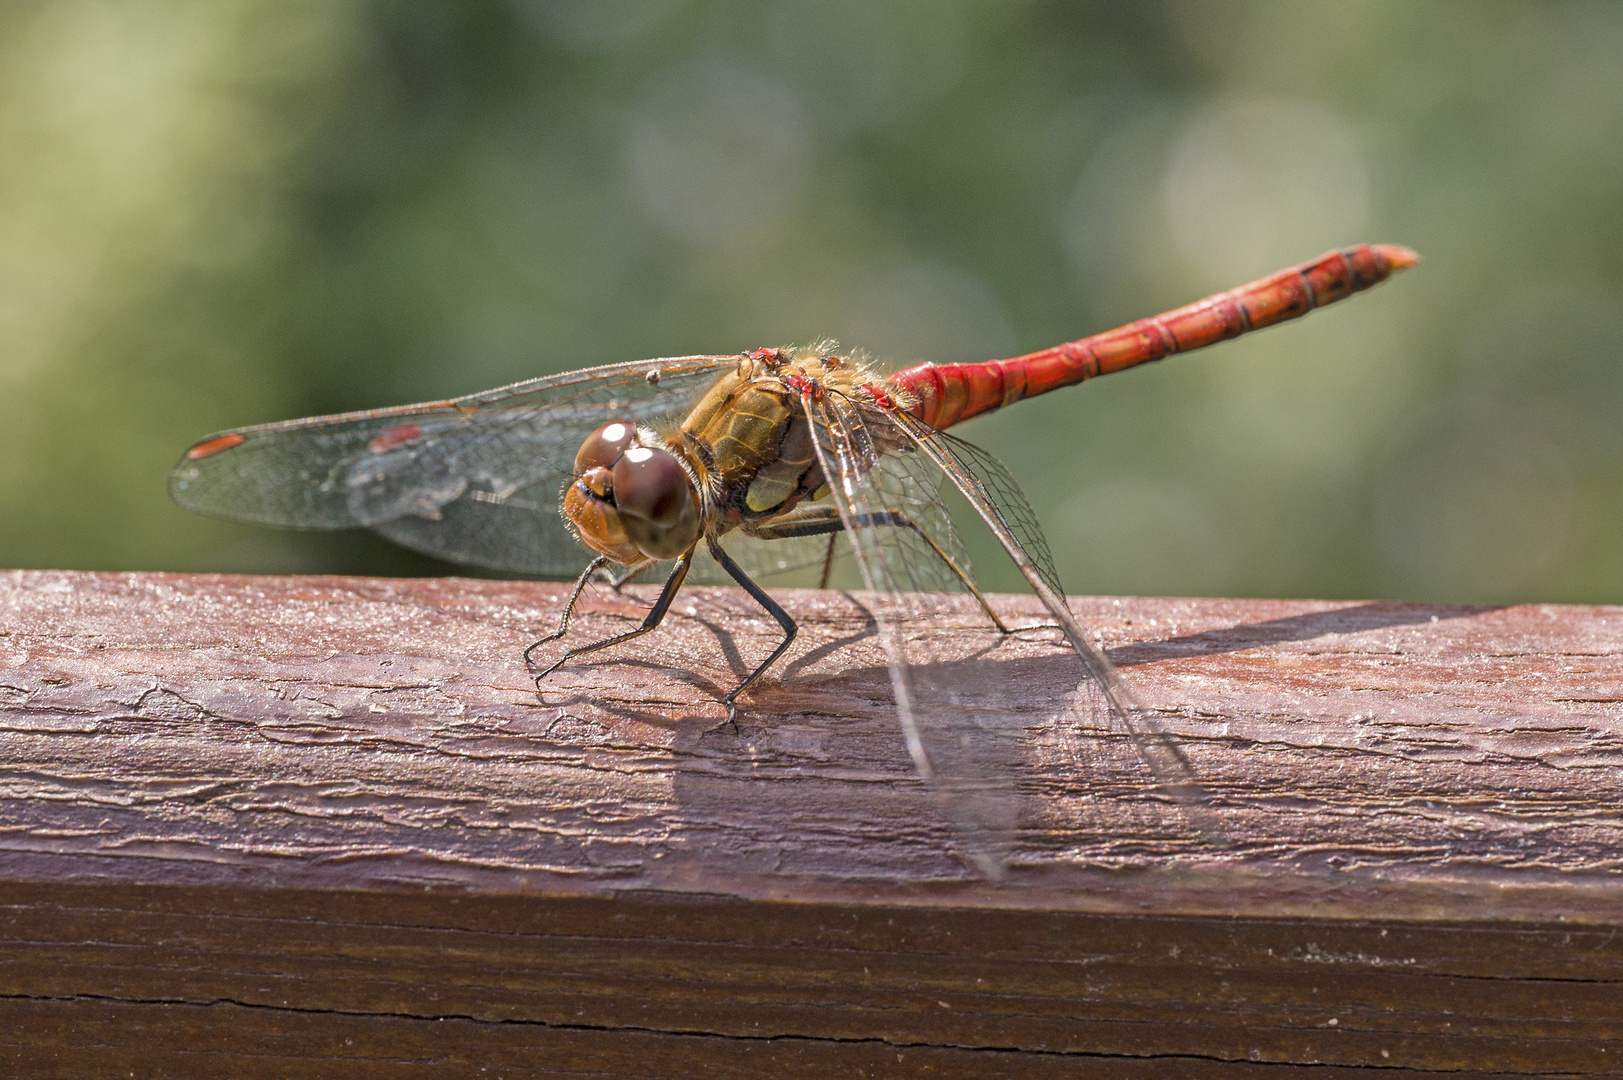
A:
(758, 462)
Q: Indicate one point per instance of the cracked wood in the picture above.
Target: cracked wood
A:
(322, 819)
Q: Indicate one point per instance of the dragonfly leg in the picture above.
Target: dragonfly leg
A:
(656, 615)
(817, 522)
(772, 608)
(569, 608)
(616, 581)
(828, 562)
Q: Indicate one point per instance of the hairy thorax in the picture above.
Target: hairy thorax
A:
(749, 438)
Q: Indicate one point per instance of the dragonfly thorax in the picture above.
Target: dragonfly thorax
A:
(630, 501)
(750, 438)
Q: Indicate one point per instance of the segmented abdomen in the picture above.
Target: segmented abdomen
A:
(949, 393)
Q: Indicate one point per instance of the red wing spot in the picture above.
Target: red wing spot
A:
(395, 436)
(215, 445)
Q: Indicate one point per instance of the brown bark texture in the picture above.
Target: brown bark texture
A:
(329, 826)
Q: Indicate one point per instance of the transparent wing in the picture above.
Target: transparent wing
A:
(997, 498)
(473, 480)
(962, 747)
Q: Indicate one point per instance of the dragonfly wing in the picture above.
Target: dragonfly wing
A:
(473, 480)
(995, 495)
(963, 747)
(513, 535)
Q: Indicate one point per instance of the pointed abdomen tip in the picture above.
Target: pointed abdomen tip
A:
(1397, 256)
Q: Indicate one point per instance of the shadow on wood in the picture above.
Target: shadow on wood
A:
(293, 824)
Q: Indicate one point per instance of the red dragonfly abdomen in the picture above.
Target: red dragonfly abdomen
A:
(949, 393)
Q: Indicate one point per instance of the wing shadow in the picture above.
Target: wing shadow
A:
(1375, 615)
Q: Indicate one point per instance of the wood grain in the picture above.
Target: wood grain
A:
(281, 824)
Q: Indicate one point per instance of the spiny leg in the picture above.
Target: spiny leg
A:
(656, 615)
(569, 609)
(760, 596)
(819, 521)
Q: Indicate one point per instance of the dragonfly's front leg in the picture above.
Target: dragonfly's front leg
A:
(656, 615)
(616, 582)
(569, 609)
(819, 520)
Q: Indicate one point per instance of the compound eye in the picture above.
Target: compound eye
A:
(656, 501)
(650, 484)
(604, 446)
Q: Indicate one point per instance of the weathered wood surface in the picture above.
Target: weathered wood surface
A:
(278, 825)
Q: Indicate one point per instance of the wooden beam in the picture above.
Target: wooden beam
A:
(297, 826)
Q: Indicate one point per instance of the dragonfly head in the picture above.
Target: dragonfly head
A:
(629, 501)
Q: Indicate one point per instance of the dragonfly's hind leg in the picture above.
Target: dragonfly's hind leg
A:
(828, 562)
(772, 608)
(656, 615)
(819, 521)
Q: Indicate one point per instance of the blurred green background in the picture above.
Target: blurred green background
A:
(222, 212)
